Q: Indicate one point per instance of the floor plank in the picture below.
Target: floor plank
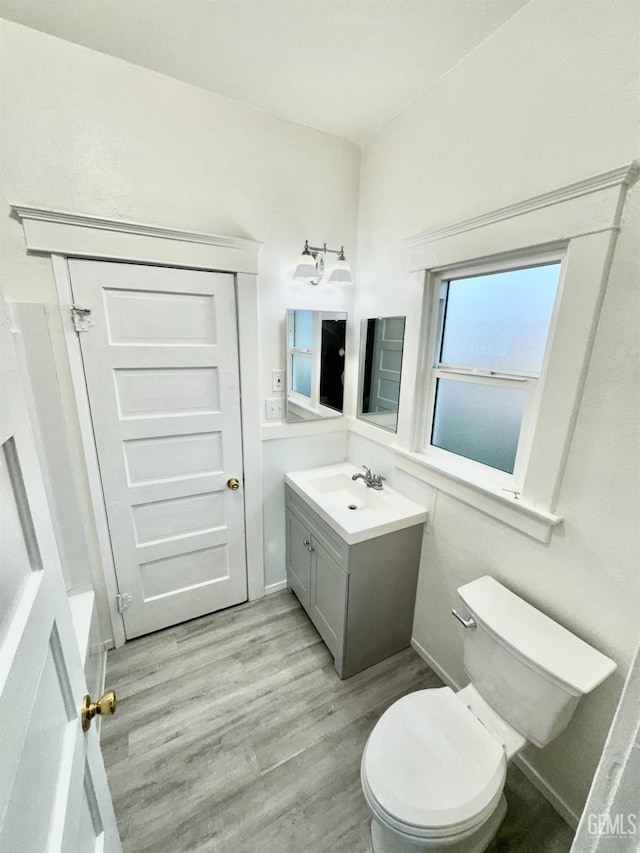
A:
(235, 735)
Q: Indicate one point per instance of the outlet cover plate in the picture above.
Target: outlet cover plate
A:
(277, 380)
(274, 408)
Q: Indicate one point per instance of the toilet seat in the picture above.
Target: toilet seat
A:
(420, 833)
(430, 768)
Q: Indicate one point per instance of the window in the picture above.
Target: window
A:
(513, 363)
(315, 364)
(300, 352)
(487, 356)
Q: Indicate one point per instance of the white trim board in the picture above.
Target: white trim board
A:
(64, 235)
(275, 587)
(281, 429)
(104, 580)
(531, 520)
(580, 222)
(77, 235)
(530, 772)
(614, 178)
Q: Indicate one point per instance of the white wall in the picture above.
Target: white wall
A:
(614, 792)
(548, 99)
(87, 133)
(280, 456)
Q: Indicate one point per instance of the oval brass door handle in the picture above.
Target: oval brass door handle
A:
(105, 706)
(233, 484)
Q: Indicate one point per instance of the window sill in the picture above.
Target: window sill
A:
(531, 520)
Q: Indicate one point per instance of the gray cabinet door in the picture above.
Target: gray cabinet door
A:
(299, 559)
(328, 600)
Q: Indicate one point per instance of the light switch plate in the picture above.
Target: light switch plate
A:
(277, 380)
(274, 408)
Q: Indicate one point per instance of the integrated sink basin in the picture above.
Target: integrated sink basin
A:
(343, 491)
(354, 510)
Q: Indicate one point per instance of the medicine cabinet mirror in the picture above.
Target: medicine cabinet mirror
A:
(315, 364)
(381, 343)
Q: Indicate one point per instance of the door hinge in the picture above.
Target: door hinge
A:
(82, 319)
(124, 601)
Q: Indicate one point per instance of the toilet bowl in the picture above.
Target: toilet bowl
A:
(433, 776)
(434, 766)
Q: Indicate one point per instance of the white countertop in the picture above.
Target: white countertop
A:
(354, 510)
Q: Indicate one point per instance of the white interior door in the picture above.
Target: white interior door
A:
(387, 364)
(53, 788)
(161, 366)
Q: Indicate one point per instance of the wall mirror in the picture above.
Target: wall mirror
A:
(381, 343)
(315, 364)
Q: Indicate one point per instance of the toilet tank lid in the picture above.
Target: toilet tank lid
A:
(534, 636)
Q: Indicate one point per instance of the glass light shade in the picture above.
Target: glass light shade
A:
(340, 274)
(306, 268)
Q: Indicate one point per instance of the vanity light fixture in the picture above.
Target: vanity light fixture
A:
(311, 265)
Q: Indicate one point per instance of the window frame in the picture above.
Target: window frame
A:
(533, 383)
(582, 220)
(311, 402)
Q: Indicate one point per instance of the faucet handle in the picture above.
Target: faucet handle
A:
(368, 470)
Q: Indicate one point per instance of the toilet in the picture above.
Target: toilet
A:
(434, 766)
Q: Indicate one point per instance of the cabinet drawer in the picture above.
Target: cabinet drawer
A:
(328, 538)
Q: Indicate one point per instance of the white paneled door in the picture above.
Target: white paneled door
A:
(387, 363)
(53, 787)
(161, 366)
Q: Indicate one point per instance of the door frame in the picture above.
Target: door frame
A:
(64, 235)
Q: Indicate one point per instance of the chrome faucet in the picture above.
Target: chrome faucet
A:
(373, 481)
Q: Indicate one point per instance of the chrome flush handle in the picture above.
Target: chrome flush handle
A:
(468, 623)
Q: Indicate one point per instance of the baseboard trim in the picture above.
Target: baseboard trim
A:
(426, 657)
(548, 792)
(275, 587)
(530, 772)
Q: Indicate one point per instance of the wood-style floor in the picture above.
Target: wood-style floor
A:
(234, 734)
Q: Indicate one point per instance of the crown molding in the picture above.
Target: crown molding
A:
(59, 217)
(68, 234)
(623, 176)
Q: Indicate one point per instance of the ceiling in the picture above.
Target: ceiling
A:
(342, 66)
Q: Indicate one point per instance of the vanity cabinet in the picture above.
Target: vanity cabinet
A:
(360, 597)
(317, 580)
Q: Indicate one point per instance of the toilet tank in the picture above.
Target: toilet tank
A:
(529, 668)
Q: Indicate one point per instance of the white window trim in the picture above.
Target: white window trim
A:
(468, 468)
(579, 222)
(310, 403)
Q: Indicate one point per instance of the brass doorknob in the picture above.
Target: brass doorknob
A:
(105, 706)
(233, 484)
